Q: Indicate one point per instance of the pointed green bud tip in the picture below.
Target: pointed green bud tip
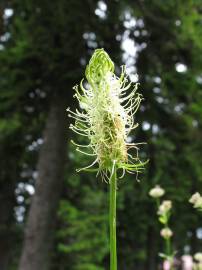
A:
(99, 65)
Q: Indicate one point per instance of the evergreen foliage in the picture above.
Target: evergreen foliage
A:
(44, 47)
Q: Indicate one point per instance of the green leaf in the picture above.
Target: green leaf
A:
(162, 219)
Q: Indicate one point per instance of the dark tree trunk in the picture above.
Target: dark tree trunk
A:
(7, 202)
(7, 192)
(193, 241)
(9, 174)
(151, 249)
(38, 240)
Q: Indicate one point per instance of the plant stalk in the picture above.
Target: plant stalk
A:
(112, 220)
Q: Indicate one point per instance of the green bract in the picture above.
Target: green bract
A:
(107, 116)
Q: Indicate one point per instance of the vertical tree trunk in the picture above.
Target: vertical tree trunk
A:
(151, 249)
(193, 241)
(7, 202)
(9, 173)
(36, 251)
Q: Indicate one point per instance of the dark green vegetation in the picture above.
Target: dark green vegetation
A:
(44, 47)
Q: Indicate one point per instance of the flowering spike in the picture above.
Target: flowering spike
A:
(107, 115)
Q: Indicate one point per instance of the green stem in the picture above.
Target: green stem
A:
(112, 220)
(169, 252)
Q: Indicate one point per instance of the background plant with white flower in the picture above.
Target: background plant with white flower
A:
(164, 212)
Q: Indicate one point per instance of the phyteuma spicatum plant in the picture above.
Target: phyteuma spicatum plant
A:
(106, 117)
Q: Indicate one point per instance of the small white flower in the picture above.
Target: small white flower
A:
(164, 207)
(198, 257)
(196, 200)
(166, 233)
(198, 203)
(156, 192)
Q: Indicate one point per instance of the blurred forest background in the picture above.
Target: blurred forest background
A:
(52, 218)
